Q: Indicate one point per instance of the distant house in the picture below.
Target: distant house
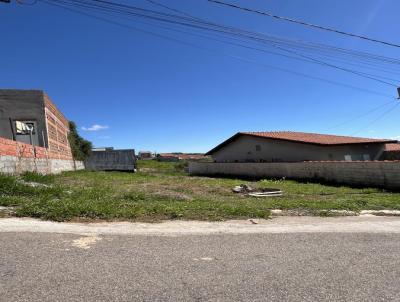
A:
(167, 157)
(391, 152)
(177, 156)
(288, 146)
(145, 155)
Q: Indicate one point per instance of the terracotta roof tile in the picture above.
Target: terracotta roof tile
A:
(307, 138)
(314, 138)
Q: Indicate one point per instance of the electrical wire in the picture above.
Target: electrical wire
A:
(52, 2)
(361, 74)
(360, 116)
(107, 6)
(104, 9)
(27, 3)
(377, 119)
(304, 23)
(303, 58)
(206, 25)
(171, 9)
(319, 61)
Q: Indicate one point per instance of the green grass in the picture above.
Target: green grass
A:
(39, 178)
(164, 191)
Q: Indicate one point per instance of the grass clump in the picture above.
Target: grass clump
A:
(37, 177)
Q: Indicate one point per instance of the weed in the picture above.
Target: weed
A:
(39, 178)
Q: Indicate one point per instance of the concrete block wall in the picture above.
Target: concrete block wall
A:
(16, 158)
(384, 174)
(121, 160)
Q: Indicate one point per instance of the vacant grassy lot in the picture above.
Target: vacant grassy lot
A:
(164, 191)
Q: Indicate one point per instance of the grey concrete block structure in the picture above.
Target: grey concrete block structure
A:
(23, 105)
(112, 160)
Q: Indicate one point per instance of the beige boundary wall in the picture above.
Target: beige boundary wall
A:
(384, 174)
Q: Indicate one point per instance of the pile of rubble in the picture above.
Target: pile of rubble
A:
(249, 191)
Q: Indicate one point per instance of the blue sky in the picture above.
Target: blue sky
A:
(128, 89)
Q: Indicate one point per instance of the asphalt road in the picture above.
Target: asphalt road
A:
(224, 267)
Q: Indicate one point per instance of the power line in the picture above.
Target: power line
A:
(302, 57)
(308, 59)
(305, 23)
(27, 3)
(105, 6)
(361, 74)
(51, 2)
(88, 4)
(196, 23)
(170, 8)
(377, 119)
(209, 26)
(56, 3)
(361, 115)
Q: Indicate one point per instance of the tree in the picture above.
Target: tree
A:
(80, 147)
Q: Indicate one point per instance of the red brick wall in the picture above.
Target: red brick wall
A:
(57, 131)
(18, 149)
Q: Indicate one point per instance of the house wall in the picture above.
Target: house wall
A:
(22, 105)
(16, 158)
(390, 155)
(244, 149)
(384, 174)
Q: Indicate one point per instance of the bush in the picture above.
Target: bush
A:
(181, 166)
(80, 147)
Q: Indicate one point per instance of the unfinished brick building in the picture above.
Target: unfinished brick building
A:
(47, 138)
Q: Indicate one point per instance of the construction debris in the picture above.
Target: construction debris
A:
(253, 222)
(249, 191)
(242, 189)
(266, 194)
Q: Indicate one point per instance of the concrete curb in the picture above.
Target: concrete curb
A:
(358, 224)
(380, 212)
(338, 213)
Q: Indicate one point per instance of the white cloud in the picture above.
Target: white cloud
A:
(95, 127)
